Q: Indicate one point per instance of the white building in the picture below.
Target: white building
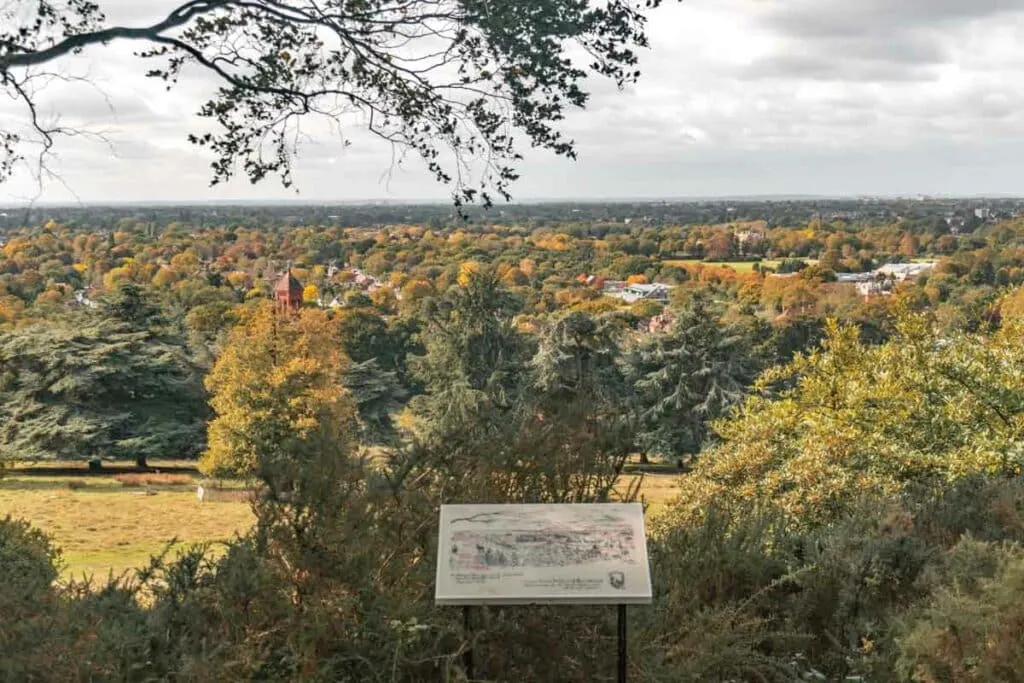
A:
(904, 271)
(631, 293)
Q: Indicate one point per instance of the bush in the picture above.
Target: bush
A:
(970, 632)
(29, 564)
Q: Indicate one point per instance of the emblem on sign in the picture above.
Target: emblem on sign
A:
(617, 580)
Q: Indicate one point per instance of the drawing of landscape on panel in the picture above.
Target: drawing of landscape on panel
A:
(532, 539)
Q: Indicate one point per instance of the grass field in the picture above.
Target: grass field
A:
(116, 522)
(738, 266)
(104, 524)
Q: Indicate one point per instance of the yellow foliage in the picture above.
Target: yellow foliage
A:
(165, 277)
(1013, 305)
(185, 262)
(639, 279)
(466, 272)
(861, 419)
(277, 385)
(310, 293)
(416, 289)
(51, 296)
(115, 276)
(238, 279)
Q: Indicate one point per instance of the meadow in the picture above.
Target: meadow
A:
(115, 521)
(738, 266)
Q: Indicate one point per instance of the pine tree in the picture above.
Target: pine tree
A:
(687, 376)
(475, 359)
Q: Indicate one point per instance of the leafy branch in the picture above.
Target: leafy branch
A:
(451, 80)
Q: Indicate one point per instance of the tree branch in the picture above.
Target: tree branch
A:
(178, 17)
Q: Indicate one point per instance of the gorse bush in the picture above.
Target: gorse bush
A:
(851, 419)
(899, 589)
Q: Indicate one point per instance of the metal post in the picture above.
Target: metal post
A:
(467, 657)
(622, 644)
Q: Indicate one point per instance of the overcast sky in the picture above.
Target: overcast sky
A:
(738, 97)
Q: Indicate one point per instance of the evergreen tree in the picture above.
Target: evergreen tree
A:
(578, 425)
(130, 305)
(687, 376)
(378, 395)
(475, 359)
(85, 388)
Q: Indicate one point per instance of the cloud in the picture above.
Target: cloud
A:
(737, 97)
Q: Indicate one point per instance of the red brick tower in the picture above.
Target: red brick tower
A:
(288, 292)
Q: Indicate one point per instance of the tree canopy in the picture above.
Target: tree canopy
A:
(87, 388)
(852, 418)
(452, 81)
(693, 373)
(276, 388)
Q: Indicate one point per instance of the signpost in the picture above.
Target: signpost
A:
(573, 554)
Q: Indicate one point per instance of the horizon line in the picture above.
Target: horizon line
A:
(741, 198)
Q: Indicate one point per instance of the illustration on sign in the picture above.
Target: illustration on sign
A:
(542, 553)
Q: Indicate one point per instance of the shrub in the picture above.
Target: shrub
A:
(970, 633)
(29, 564)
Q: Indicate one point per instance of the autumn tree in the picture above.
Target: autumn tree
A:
(278, 395)
(455, 77)
(909, 245)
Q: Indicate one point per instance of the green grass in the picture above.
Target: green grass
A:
(103, 526)
(738, 266)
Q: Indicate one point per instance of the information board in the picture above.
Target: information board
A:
(534, 554)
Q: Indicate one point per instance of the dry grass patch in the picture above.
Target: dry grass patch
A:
(104, 529)
(106, 524)
(153, 479)
(656, 490)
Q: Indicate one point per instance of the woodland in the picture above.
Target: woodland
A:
(850, 499)
(850, 504)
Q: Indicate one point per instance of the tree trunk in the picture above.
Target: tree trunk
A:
(140, 462)
(95, 465)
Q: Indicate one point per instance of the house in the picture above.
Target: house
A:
(660, 323)
(82, 299)
(881, 280)
(752, 236)
(904, 271)
(631, 293)
(854, 278)
(872, 287)
(612, 287)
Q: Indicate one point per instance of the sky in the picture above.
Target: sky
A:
(737, 98)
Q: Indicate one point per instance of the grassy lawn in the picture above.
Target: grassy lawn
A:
(104, 525)
(656, 490)
(109, 523)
